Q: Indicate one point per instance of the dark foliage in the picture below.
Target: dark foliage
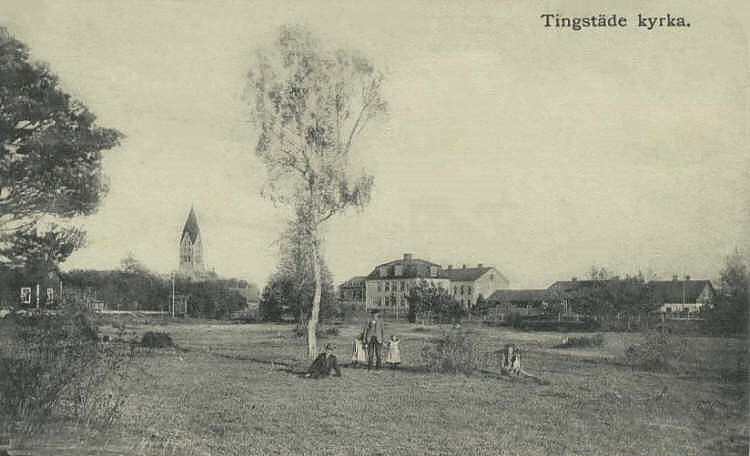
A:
(135, 288)
(659, 352)
(54, 367)
(423, 298)
(153, 339)
(50, 151)
(729, 314)
(454, 352)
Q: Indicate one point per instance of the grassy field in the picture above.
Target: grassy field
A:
(236, 390)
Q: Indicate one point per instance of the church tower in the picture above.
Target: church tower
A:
(191, 248)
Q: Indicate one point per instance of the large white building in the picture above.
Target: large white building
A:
(388, 284)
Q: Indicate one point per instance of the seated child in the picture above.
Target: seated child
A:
(515, 362)
(324, 364)
(359, 354)
(393, 357)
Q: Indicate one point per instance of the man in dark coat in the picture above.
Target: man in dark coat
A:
(324, 364)
(374, 339)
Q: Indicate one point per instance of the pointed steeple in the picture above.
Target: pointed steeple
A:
(191, 226)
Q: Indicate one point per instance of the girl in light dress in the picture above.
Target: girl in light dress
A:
(393, 357)
(359, 354)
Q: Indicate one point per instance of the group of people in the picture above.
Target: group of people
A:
(367, 350)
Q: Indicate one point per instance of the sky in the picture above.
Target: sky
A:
(540, 151)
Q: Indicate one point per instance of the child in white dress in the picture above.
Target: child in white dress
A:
(359, 355)
(393, 357)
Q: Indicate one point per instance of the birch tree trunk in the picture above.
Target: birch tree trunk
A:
(312, 326)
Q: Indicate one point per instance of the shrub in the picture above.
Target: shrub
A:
(582, 341)
(657, 352)
(153, 339)
(53, 365)
(456, 351)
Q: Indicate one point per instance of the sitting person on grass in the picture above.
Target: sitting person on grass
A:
(324, 364)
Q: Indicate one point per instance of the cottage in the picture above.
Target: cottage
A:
(681, 296)
(39, 288)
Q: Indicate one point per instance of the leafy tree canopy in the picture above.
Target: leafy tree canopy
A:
(50, 152)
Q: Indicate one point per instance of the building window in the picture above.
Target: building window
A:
(387, 286)
(403, 285)
(383, 271)
(455, 290)
(26, 295)
(380, 287)
(468, 290)
(433, 271)
(398, 270)
(462, 289)
(492, 276)
(50, 295)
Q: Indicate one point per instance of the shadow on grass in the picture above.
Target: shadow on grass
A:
(293, 367)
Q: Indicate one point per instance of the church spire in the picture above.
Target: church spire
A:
(191, 246)
(191, 226)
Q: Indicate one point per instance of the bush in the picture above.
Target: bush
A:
(54, 366)
(153, 339)
(658, 352)
(454, 352)
(582, 341)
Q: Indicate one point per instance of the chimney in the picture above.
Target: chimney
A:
(407, 256)
(480, 265)
(450, 266)
(463, 267)
(687, 277)
(574, 279)
(674, 278)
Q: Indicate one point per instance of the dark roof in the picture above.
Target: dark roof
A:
(519, 295)
(570, 285)
(191, 226)
(413, 267)
(672, 290)
(354, 282)
(464, 274)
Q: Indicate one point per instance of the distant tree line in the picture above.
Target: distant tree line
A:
(134, 287)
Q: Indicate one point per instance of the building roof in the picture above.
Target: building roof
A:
(413, 268)
(519, 295)
(570, 285)
(354, 282)
(677, 290)
(465, 274)
(191, 226)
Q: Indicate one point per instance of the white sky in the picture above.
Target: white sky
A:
(540, 151)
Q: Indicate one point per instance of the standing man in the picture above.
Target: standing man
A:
(374, 339)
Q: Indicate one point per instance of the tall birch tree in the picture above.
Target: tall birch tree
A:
(310, 104)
